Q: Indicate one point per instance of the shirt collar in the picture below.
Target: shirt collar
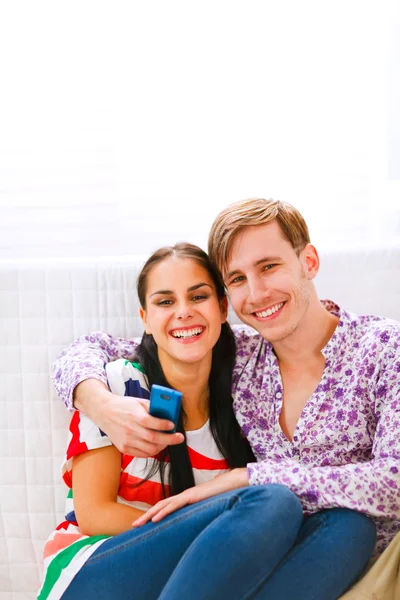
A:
(337, 342)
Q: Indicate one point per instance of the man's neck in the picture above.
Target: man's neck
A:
(310, 336)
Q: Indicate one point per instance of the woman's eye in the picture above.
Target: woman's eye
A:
(164, 302)
(199, 297)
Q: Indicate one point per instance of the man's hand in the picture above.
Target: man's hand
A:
(237, 478)
(125, 420)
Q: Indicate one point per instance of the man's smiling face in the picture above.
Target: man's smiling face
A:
(268, 283)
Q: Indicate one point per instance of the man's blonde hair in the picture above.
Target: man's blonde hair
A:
(255, 211)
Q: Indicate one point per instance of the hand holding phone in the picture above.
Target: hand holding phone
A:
(165, 403)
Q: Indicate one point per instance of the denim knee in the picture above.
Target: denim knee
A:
(281, 501)
(357, 523)
(284, 496)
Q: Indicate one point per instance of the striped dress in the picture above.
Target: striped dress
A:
(67, 549)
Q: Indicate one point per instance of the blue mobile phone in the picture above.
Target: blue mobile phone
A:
(165, 403)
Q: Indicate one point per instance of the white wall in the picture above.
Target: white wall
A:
(127, 125)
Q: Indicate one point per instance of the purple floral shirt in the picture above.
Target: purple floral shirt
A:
(345, 450)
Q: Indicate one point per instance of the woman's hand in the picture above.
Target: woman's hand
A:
(224, 483)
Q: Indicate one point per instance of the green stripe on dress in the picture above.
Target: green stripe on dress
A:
(62, 560)
(135, 365)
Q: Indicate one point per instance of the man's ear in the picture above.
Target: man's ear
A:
(143, 316)
(311, 261)
(224, 309)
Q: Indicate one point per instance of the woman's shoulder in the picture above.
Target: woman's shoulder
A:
(127, 378)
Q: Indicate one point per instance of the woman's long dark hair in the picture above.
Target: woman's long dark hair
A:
(223, 424)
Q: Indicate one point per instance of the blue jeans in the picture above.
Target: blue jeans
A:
(248, 543)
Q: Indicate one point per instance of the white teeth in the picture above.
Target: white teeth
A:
(187, 333)
(270, 311)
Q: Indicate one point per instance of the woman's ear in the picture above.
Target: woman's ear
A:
(224, 309)
(143, 316)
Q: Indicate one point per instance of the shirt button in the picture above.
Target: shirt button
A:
(279, 394)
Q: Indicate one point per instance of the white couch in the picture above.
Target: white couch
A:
(46, 305)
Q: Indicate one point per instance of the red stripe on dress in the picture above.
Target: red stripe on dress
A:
(67, 478)
(149, 492)
(161, 457)
(126, 460)
(66, 524)
(199, 461)
(75, 446)
(59, 542)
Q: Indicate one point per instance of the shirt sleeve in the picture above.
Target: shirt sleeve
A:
(371, 487)
(84, 435)
(85, 359)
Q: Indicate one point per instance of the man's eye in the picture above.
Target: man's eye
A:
(268, 267)
(237, 279)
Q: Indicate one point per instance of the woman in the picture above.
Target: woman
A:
(227, 546)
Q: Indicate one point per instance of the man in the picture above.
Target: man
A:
(316, 389)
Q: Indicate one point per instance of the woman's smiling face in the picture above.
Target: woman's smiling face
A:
(183, 312)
